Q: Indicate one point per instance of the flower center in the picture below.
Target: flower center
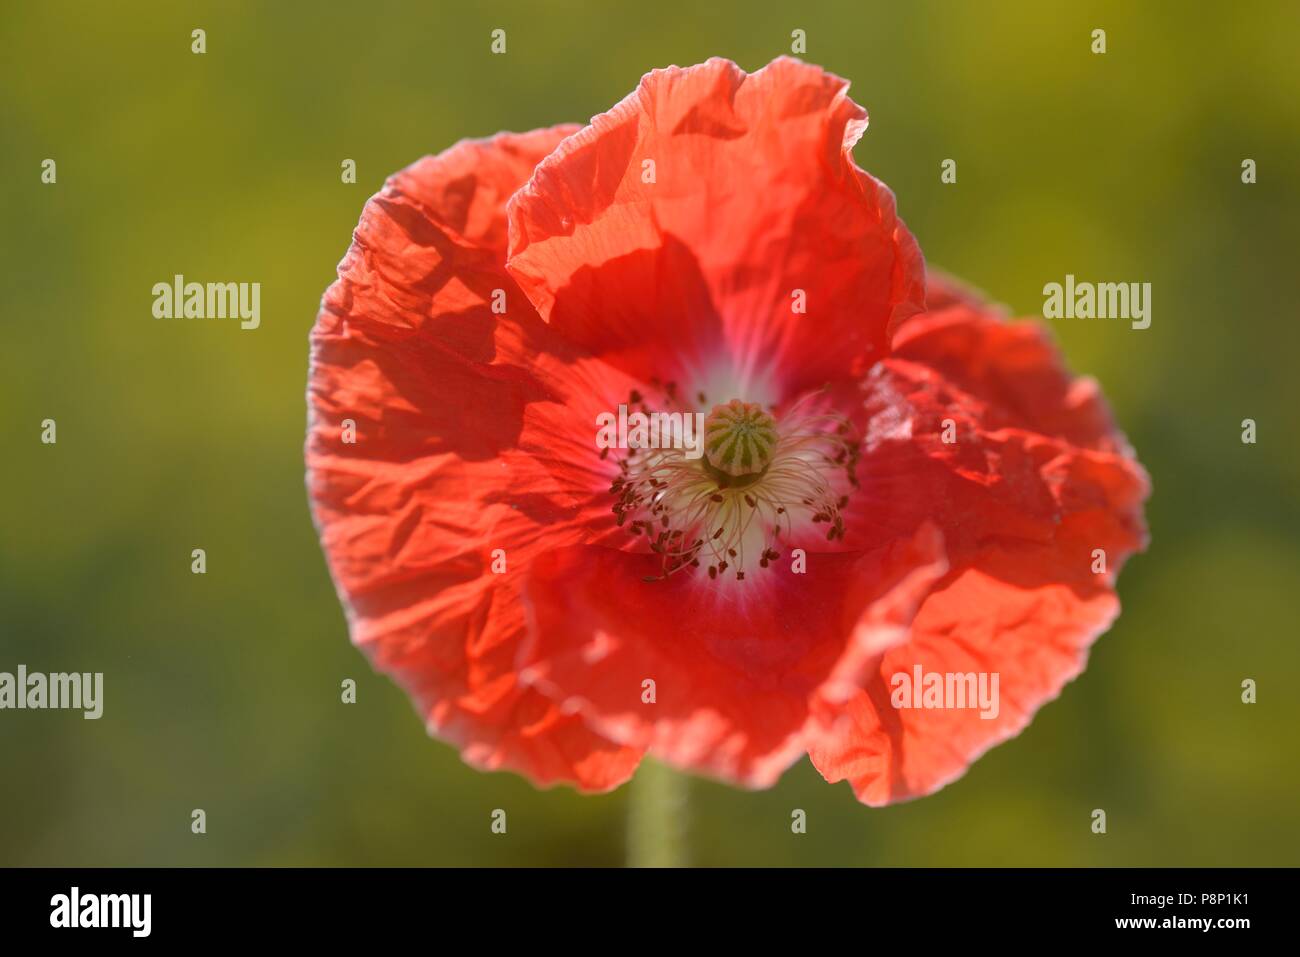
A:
(739, 438)
(759, 480)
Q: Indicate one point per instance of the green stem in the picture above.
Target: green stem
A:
(657, 809)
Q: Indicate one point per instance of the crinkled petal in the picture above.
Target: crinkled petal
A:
(720, 215)
(736, 666)
(1025, 513)
(1017, 614)
(449, 442)
(1016, 369)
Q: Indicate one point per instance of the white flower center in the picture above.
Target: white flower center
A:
(730, 511)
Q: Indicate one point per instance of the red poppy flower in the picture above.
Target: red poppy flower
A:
(883, 490)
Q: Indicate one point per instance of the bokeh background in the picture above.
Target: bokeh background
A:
(222, 690)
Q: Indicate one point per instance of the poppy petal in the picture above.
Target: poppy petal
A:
(720, 212)
(443, 454)
(1016, 368)
(992, 620)
(735, 666)
(1024, 512)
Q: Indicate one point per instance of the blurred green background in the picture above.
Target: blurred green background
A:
(222, 691)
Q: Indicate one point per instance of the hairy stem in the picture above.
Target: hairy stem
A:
(657, 810)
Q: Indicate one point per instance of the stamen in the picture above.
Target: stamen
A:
(759, 477)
